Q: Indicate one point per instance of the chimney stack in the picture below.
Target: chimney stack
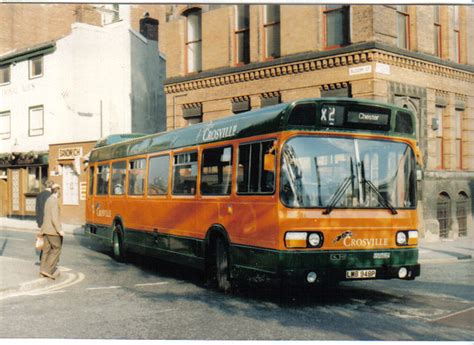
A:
(149, 27)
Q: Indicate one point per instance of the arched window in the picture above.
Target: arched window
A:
(443, 214)
(461, 213)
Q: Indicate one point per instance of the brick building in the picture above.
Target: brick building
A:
(224, 59)
(25, 25)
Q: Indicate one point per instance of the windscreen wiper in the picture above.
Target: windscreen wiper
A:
(383, 201)
(339, 192)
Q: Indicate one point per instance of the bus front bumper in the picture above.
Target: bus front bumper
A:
(304, 267)
(332, 275)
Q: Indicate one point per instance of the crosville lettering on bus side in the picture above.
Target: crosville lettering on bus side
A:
(104, 213)
(209, 133)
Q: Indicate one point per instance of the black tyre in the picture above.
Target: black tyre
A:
(222, 265)
(118, 250)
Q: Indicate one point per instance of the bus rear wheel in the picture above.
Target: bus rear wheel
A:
(222, 265)
(117, 244)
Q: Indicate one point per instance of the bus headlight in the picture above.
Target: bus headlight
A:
(295, 239)
(401, 238)
(315, 239)
(303, 239)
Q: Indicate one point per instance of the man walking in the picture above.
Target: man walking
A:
(40, 202)
(52, 234)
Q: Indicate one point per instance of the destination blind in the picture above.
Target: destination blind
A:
(354, 117)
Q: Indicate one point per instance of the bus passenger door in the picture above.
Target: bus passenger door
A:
(253, 214)
(90, 211)
(100, 203)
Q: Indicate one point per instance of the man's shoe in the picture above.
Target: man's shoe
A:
(47, 275)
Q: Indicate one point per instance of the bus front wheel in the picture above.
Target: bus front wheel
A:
(222, 265)
(117, 244)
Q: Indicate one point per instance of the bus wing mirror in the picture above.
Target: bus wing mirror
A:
(269, 162)
(419, 174)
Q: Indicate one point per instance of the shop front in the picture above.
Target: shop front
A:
(22, 176)
(67, 167)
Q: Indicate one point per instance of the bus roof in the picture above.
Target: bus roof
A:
(262, 121)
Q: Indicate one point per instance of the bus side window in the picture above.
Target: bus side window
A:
(136, 177)
(253, 176)
(185, 173)
(403, 123)
(216, 171)
(91, 180)
(119, 170)
(103, 176)
(158, 169)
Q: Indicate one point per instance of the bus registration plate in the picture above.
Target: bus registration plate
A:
(360, 274)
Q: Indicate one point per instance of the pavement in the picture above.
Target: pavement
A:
(30, 225)
(19, 277)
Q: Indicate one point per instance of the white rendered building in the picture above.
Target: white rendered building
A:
(92, 83)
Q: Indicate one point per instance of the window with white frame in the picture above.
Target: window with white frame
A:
(36, 67)
(271, 27)
(5, 74)
(5, 125)
(110, 13)
(36, 121)
(194, 41)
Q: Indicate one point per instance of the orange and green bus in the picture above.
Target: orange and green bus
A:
(306, 192)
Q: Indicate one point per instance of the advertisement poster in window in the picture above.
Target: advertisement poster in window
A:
(70, 186)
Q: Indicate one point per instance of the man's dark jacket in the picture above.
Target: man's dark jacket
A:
(40, 202)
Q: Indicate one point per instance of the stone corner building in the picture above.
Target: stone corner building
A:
(225, 59)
